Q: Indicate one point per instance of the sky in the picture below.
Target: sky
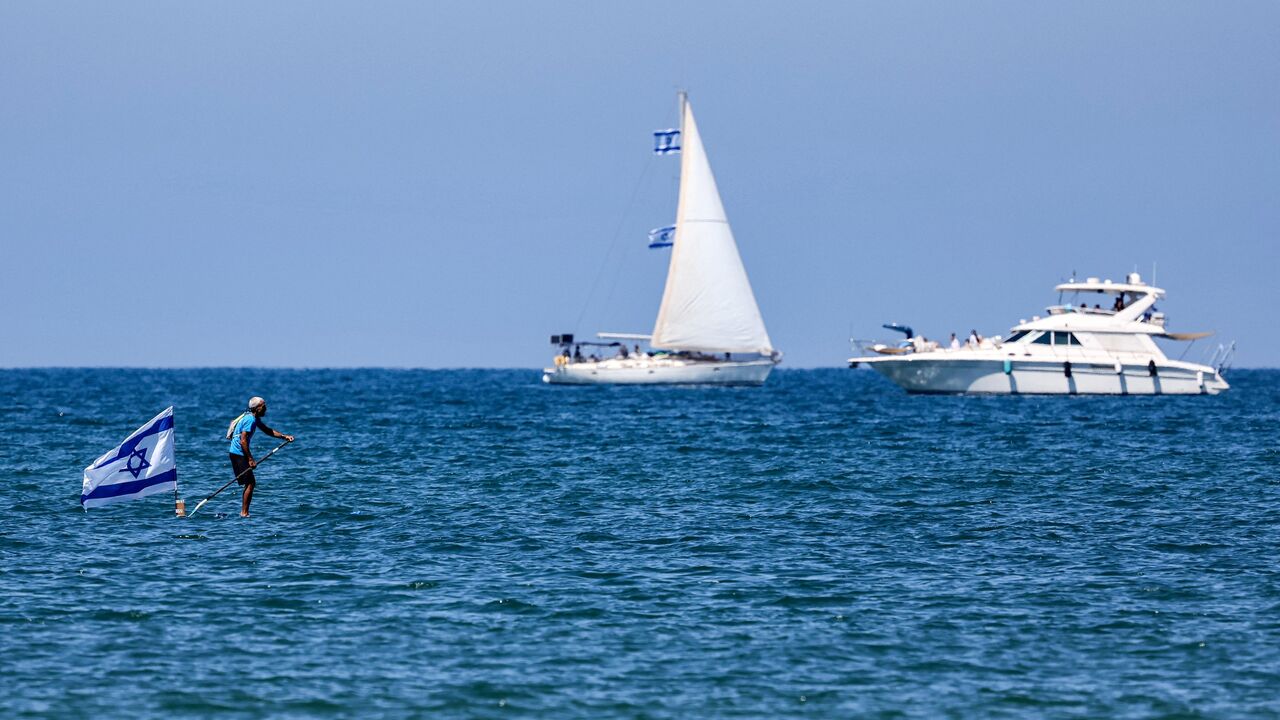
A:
(447, 184)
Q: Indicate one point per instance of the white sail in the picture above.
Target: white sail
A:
(707, 304)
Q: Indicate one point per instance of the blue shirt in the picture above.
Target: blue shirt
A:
(247, 424)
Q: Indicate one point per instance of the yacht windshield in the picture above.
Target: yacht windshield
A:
(1064, 338)
(1056, 338)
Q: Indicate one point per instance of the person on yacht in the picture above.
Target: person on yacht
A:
(920, 344)
(955, 342)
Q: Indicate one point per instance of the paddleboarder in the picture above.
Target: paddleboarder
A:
(241, 433)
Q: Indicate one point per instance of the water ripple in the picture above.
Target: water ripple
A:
(476, 544)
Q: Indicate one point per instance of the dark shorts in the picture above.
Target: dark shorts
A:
(239, 464)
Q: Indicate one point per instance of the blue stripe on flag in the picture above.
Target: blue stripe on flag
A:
(662, 237)
(127, 448)
(129, 488)
(666, 142)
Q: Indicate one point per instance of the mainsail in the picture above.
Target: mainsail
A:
(707, 304)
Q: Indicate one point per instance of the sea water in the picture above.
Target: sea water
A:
(477, 544)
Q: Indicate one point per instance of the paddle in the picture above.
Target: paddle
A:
(237, 477)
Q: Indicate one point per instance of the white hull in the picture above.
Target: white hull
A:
(922, 374)
(660, 371)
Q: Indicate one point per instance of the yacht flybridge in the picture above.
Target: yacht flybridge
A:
(709, 329)
(1105, 349)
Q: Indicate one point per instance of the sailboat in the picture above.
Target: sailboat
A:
(709, 329)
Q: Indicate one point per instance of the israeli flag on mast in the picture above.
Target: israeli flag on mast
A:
(662, 237)
(142, 465)
(666, 142)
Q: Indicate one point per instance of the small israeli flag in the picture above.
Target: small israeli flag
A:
(662, 237)
(666, 142)
(142, 465)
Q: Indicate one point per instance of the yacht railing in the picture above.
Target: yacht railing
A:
(1080, 309)
(1155, 318)
(1222, 357)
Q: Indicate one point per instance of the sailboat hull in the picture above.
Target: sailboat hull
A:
(660, 371)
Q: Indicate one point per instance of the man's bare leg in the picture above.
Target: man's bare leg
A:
(248, 496)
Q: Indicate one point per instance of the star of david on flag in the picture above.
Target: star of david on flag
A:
(142, 465)
(662, 237)
(666, 142)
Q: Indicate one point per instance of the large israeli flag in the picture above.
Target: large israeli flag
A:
(142, 465)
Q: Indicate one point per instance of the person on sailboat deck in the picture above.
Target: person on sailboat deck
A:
(637, 352)
(622, 351)
(577, 353)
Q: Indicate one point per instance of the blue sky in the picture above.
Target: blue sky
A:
(445, 185)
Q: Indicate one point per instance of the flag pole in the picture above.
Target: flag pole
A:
(237, 477)
(179, 505)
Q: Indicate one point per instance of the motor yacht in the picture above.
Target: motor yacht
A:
(1098, 340)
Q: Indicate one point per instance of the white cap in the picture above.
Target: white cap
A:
(256, 401)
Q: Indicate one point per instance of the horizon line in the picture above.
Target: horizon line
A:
(8, 368)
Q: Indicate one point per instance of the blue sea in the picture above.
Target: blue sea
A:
(462, 544)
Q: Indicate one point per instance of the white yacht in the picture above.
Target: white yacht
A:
(709, 329)
(1106, 349)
